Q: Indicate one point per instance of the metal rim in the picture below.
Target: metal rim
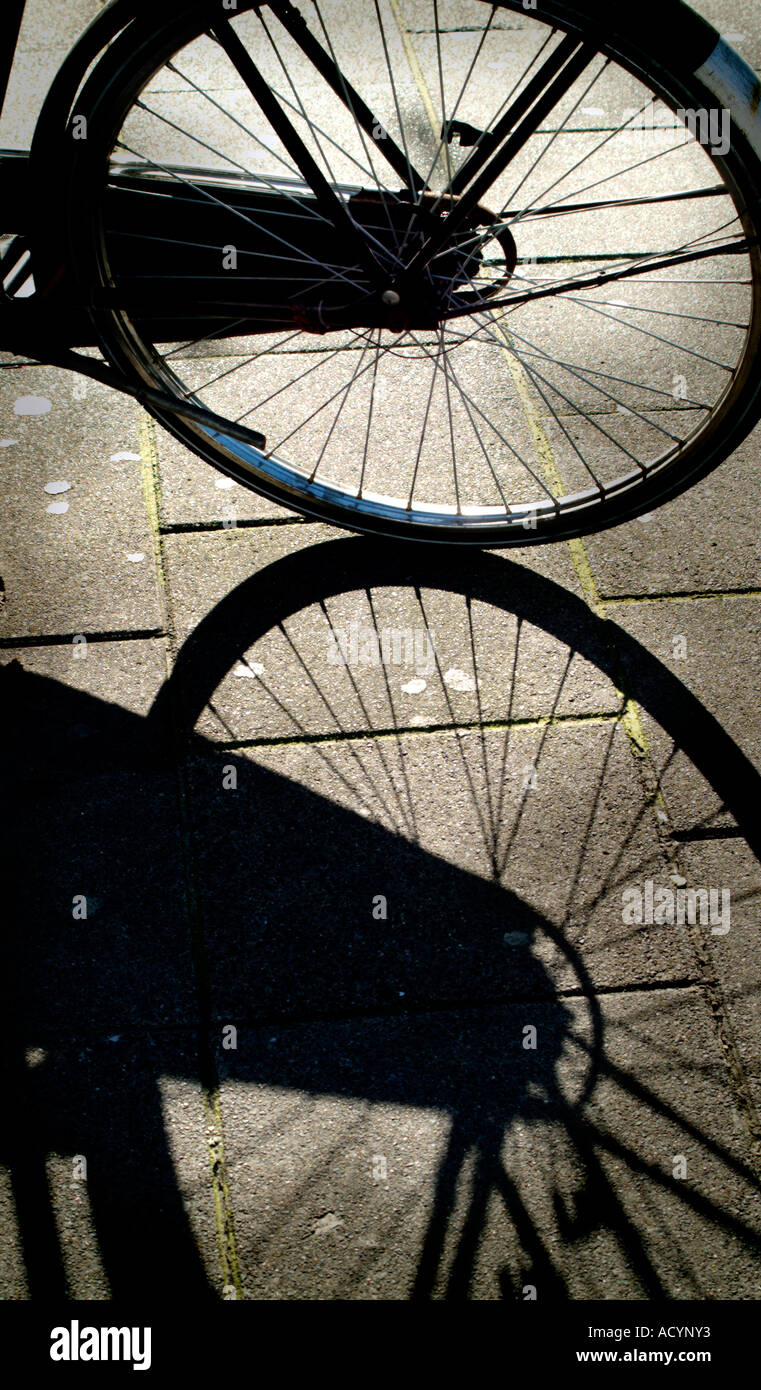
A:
(577, 512)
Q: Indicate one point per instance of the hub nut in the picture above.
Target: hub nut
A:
(391, 298)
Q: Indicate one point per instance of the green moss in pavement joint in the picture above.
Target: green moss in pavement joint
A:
(221, 1193)
(151, 487)
(633, 725)
(517, 726)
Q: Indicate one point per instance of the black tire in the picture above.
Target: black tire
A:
(666, 56)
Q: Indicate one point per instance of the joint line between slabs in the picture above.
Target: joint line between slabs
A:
(414, 731)
(209, 1079)
(688, 596)
(65, 639)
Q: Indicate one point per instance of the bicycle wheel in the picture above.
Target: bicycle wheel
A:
(453, 270)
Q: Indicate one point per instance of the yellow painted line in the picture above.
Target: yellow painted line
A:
(578, 551)
(150, 479)
(541, 442)
(415, 68)
(630, 716)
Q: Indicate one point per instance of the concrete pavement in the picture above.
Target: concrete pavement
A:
(319, 983)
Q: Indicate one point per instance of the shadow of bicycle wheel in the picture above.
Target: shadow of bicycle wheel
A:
(465, 1025)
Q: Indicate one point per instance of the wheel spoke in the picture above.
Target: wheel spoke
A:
(608, 395)
(526, 112)
(657, 262)
(468, 400)
(471, 185)
(331, 204)
(346, 154)
(326, 65)
(373, 382)
(408, 374)
(443, 137)
(228, 207)
(565, 209)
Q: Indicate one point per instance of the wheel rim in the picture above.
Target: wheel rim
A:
(535, 471)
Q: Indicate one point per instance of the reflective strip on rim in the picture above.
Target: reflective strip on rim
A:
(735, 84)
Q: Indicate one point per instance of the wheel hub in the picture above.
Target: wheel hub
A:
(397, 229)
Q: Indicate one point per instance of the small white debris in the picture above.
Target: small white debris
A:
(135, 556)
(678, 880)
(32, 405)
(648, 516)
(415, 687)
(125, 454)
(6, 443)
(250, 669)
(326, 1224)
(224, 482)
(57, 487)
(57, 508)
(459, 680)
(593, 110)
(733, 38)
(418, 721)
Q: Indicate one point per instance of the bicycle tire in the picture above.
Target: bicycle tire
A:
(686, 66)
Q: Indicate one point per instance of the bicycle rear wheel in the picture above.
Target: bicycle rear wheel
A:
(475, 273)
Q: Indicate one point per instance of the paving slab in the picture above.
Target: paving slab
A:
(712, 646)
(298, 399)
(429, 1155)
(89, 568)
(737, 22)
(350, 875)
(389, 907)
(292, 679)
(110, 849)
(610, 444)
(48, 31)
(13, 1280)
(93, 830)
(107, 1171)
(386, 427)
(608, 406)
(71, 706)
(57, 24)
(707, 539)
(734, 942)
(192, 493)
